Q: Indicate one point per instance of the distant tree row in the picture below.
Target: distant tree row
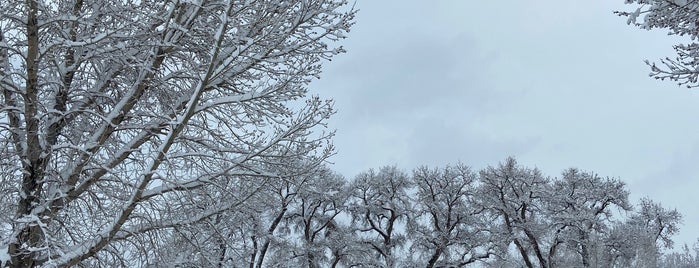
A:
(502, 216)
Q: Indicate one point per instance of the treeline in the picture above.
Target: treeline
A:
(453, 216)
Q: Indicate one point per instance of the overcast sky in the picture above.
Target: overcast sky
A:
(556, 84)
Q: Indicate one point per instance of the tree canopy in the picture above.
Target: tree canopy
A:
(125, 121)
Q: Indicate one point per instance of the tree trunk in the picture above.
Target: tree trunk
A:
(433, 260)
(30, 234)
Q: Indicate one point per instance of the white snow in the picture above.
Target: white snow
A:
(4, 257)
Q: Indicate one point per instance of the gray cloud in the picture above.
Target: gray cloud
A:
(674, 185)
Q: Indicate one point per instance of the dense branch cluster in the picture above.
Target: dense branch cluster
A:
(680, 18)
(122, 121)
(502, 216)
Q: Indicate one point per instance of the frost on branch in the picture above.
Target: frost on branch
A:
(446, 224)
(379, 205)
(122, 122)
(678, 17)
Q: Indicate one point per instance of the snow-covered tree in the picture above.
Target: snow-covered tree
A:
(380, 206)
(448, 226)
(686, 258)
(653, 227)
(577, 220)
(117, 118)
(227, 239)
(284, 222)
(311, 222)
(581, 214)
(680, 18)
(517, 196)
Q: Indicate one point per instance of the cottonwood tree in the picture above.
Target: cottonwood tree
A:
(652, 229)
(680, 18)
(310, 222)
(316, 217)
(516, 195)
(379, 206)
(113, 110)
(448, 227)
(639, 240)
(581, 213)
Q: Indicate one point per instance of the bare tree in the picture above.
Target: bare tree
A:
(516, 195)
(120, 116)
(652, 227)
(581, 214)
(229, 238)
(448, 226)
(379, 205)
(316, 215)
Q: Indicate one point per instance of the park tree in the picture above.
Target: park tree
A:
(516, 195)
(653, 227)
(310, 226)
(449, 226)
(122, 122)
(581, 213)
(380, 205)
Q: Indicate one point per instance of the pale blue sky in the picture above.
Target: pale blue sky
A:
(556, 84)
